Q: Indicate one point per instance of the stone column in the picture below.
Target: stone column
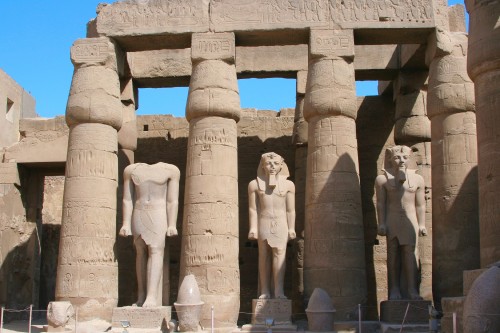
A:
(413, 129)
(87, 268)
(299, 140)
(210, 225)
(483, 65)
(454, 160)
(334, 257)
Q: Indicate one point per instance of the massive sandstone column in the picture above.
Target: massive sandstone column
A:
(87, 269)
(334, 257)
(299, 140)
(454, 159)
(210, 226)
(413, 129)
(483, 65)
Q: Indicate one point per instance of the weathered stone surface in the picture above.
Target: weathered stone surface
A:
(136, 17)
(278, 309)
(394, 311)
(142, 318)
(454, 161)
(9, 173)
(482, 303)
(456, 15)
(452, 305)
(483, 66)
(219, 46)
(469, 277)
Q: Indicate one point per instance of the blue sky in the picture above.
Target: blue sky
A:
(35, 39)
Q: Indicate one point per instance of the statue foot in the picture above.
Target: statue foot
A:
(395, 295)
(416, 297)
(280, 296)
(265, 296)
(149, 303)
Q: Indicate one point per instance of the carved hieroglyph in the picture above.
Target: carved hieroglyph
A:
(150, 204)
(87, 270)
(454, 160)
(210, 225)
(334, 257)
(271, 205)
(483, 66)
(401, 217)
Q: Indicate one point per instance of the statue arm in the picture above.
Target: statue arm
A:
(252, 210)
(128, 204)
(290, 210)
(381, 204)
(420, 207)
(173, 201)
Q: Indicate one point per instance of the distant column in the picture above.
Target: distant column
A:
(413, 129)
(450, 107)
(299, 140)
(87, 268)
(334, 257)
(483, 65)
(210, 225)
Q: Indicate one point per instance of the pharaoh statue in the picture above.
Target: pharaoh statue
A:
(272, 221)
(150, 204)
(401, 217)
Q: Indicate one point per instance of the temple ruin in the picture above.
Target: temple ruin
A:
(61, 182)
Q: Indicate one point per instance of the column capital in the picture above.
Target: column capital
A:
(442, 43)
(213, 46)
(330, 43)
(101, 51)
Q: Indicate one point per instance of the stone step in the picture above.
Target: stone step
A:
(410, 328)
(451, 305)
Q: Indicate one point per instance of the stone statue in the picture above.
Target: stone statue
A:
(150, 203)
(401, 217)
(272, 221)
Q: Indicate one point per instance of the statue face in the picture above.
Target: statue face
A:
(272, 165)
(400, 159)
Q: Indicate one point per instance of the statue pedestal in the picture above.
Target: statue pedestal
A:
(394, 311)
(277, 310)
(143, 320)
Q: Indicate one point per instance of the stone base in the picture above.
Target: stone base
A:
(353, 327)
(280, 310)
(450, 305)
(142, 320)
(410, 328)
(393, 311)
(263, 329)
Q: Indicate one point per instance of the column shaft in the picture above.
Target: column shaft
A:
(210, 225)
(87, 272)
(483, 65)
(334, 257)
(454, 161)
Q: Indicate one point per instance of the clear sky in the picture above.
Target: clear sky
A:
(35, 39)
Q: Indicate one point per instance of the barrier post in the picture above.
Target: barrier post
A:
(404, 318)
(31, 315)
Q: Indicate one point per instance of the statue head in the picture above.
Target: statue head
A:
(398, 160)
(272, 167)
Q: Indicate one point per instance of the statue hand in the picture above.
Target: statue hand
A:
(252, 234)
(291, 234)
(171, 231)
(125, 231)
(382, 230)
(422, 231)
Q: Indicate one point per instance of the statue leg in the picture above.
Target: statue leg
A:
(264, 269)
(141, 261)
(155, 271)
(411, 270)
(279, 263)
(394, 268)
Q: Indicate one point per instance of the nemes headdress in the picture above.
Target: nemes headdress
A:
(280, 176)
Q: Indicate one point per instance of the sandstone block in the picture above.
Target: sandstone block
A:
(328, 43)
(99, 51)
(452, 305)
(155, 318)
(209, 46)
(469, 277)
(394, 311)
(278, 309)
(9, 174)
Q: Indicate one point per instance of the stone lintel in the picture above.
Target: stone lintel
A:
(331, 43)
(172, 67)
(210, 46)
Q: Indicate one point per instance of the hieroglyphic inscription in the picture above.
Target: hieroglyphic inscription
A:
(89, 50)
(278, 309)
(152, 16)
(218, 218)
(210, 46)
(208, 250)
(86, 250)
(139, 317)
(380, 11)
(334, 42)
(221, 280)
(92, 163)
(274, 12)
